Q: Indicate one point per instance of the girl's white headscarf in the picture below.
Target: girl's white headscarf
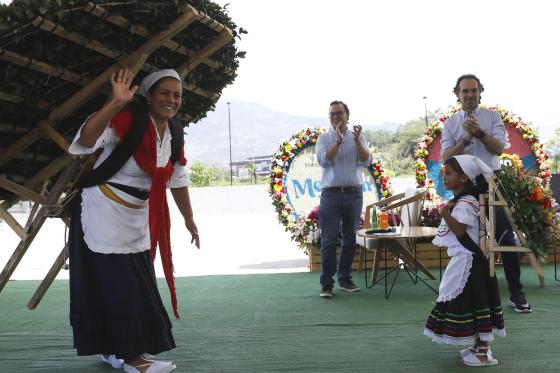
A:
(473, 166)
(151, 79)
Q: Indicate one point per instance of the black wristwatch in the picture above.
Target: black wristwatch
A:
(480, 134)
(466, 142)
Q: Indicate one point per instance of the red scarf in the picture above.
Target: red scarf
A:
(159, 220)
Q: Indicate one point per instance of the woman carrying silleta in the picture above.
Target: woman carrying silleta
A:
(121, 216)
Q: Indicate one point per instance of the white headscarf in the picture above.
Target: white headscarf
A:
(151, 79)
(473, 166)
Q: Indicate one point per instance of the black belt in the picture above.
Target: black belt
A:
(135, 192)
(344, 189)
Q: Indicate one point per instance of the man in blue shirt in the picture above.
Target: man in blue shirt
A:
(341, 154)
(480, 132)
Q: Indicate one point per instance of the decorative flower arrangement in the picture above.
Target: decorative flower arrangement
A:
(305, 229)
(533, 208)
(510, 120)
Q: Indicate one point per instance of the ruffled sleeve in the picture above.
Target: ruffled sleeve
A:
(108, 136)
(467, 211)
(444, 237)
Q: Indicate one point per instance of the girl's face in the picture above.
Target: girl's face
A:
(453, 180)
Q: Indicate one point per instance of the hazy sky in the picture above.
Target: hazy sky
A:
(382, 57)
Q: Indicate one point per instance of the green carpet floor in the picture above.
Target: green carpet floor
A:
(278, 323)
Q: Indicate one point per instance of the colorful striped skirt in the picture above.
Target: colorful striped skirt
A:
(475, 314)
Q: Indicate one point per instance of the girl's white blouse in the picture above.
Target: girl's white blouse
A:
(466, 211)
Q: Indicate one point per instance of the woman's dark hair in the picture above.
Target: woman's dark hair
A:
(474, 189)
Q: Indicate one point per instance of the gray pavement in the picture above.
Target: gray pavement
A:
(239, 233)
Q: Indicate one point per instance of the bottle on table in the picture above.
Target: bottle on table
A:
(374, 220)
(384, 220)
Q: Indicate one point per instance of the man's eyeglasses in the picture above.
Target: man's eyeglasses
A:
(336, 113)
(472, 91)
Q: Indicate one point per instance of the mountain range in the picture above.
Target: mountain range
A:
(255, 131)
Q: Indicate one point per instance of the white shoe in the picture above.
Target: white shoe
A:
(473, 361)
(467, 351)
(153, 367)
(112, 361)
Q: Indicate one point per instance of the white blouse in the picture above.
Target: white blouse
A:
(466, 211)
(109, 227)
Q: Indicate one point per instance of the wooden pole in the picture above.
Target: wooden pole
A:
(43, 105)
(42, 67)
(12, 223)
(223, 38)
(35, 207)
(45, 174)
(22, 191)
(38, 222)
(49, 278)
(54, 135)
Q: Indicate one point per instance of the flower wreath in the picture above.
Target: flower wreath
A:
(305, 229)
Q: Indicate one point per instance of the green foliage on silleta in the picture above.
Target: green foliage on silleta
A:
(532, 209)
(19, 34)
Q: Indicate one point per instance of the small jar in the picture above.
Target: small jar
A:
(384, 220)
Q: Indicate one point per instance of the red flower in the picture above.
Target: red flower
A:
(536, 195)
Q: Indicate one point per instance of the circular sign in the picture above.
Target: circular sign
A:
(303, 183)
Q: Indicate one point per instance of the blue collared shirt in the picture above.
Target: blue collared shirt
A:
(488, 120)
(345, 169)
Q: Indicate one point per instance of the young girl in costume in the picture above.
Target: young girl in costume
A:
(468, 309)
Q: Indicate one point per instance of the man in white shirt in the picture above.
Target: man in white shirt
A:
(480, 132)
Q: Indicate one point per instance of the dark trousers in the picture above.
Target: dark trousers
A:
(339, 213)
(511, 261)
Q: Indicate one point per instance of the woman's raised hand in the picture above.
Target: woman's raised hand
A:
(121, 81)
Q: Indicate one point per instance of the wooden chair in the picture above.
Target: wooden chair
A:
(408, 206)
(495, 199)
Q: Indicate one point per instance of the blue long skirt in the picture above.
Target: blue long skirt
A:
(115, 305)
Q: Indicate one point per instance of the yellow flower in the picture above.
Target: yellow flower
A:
(277, 187)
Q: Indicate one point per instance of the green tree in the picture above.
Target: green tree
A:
(552, 147)
(396, 149)
(252, 171)
(379, 139)
(201, 174)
